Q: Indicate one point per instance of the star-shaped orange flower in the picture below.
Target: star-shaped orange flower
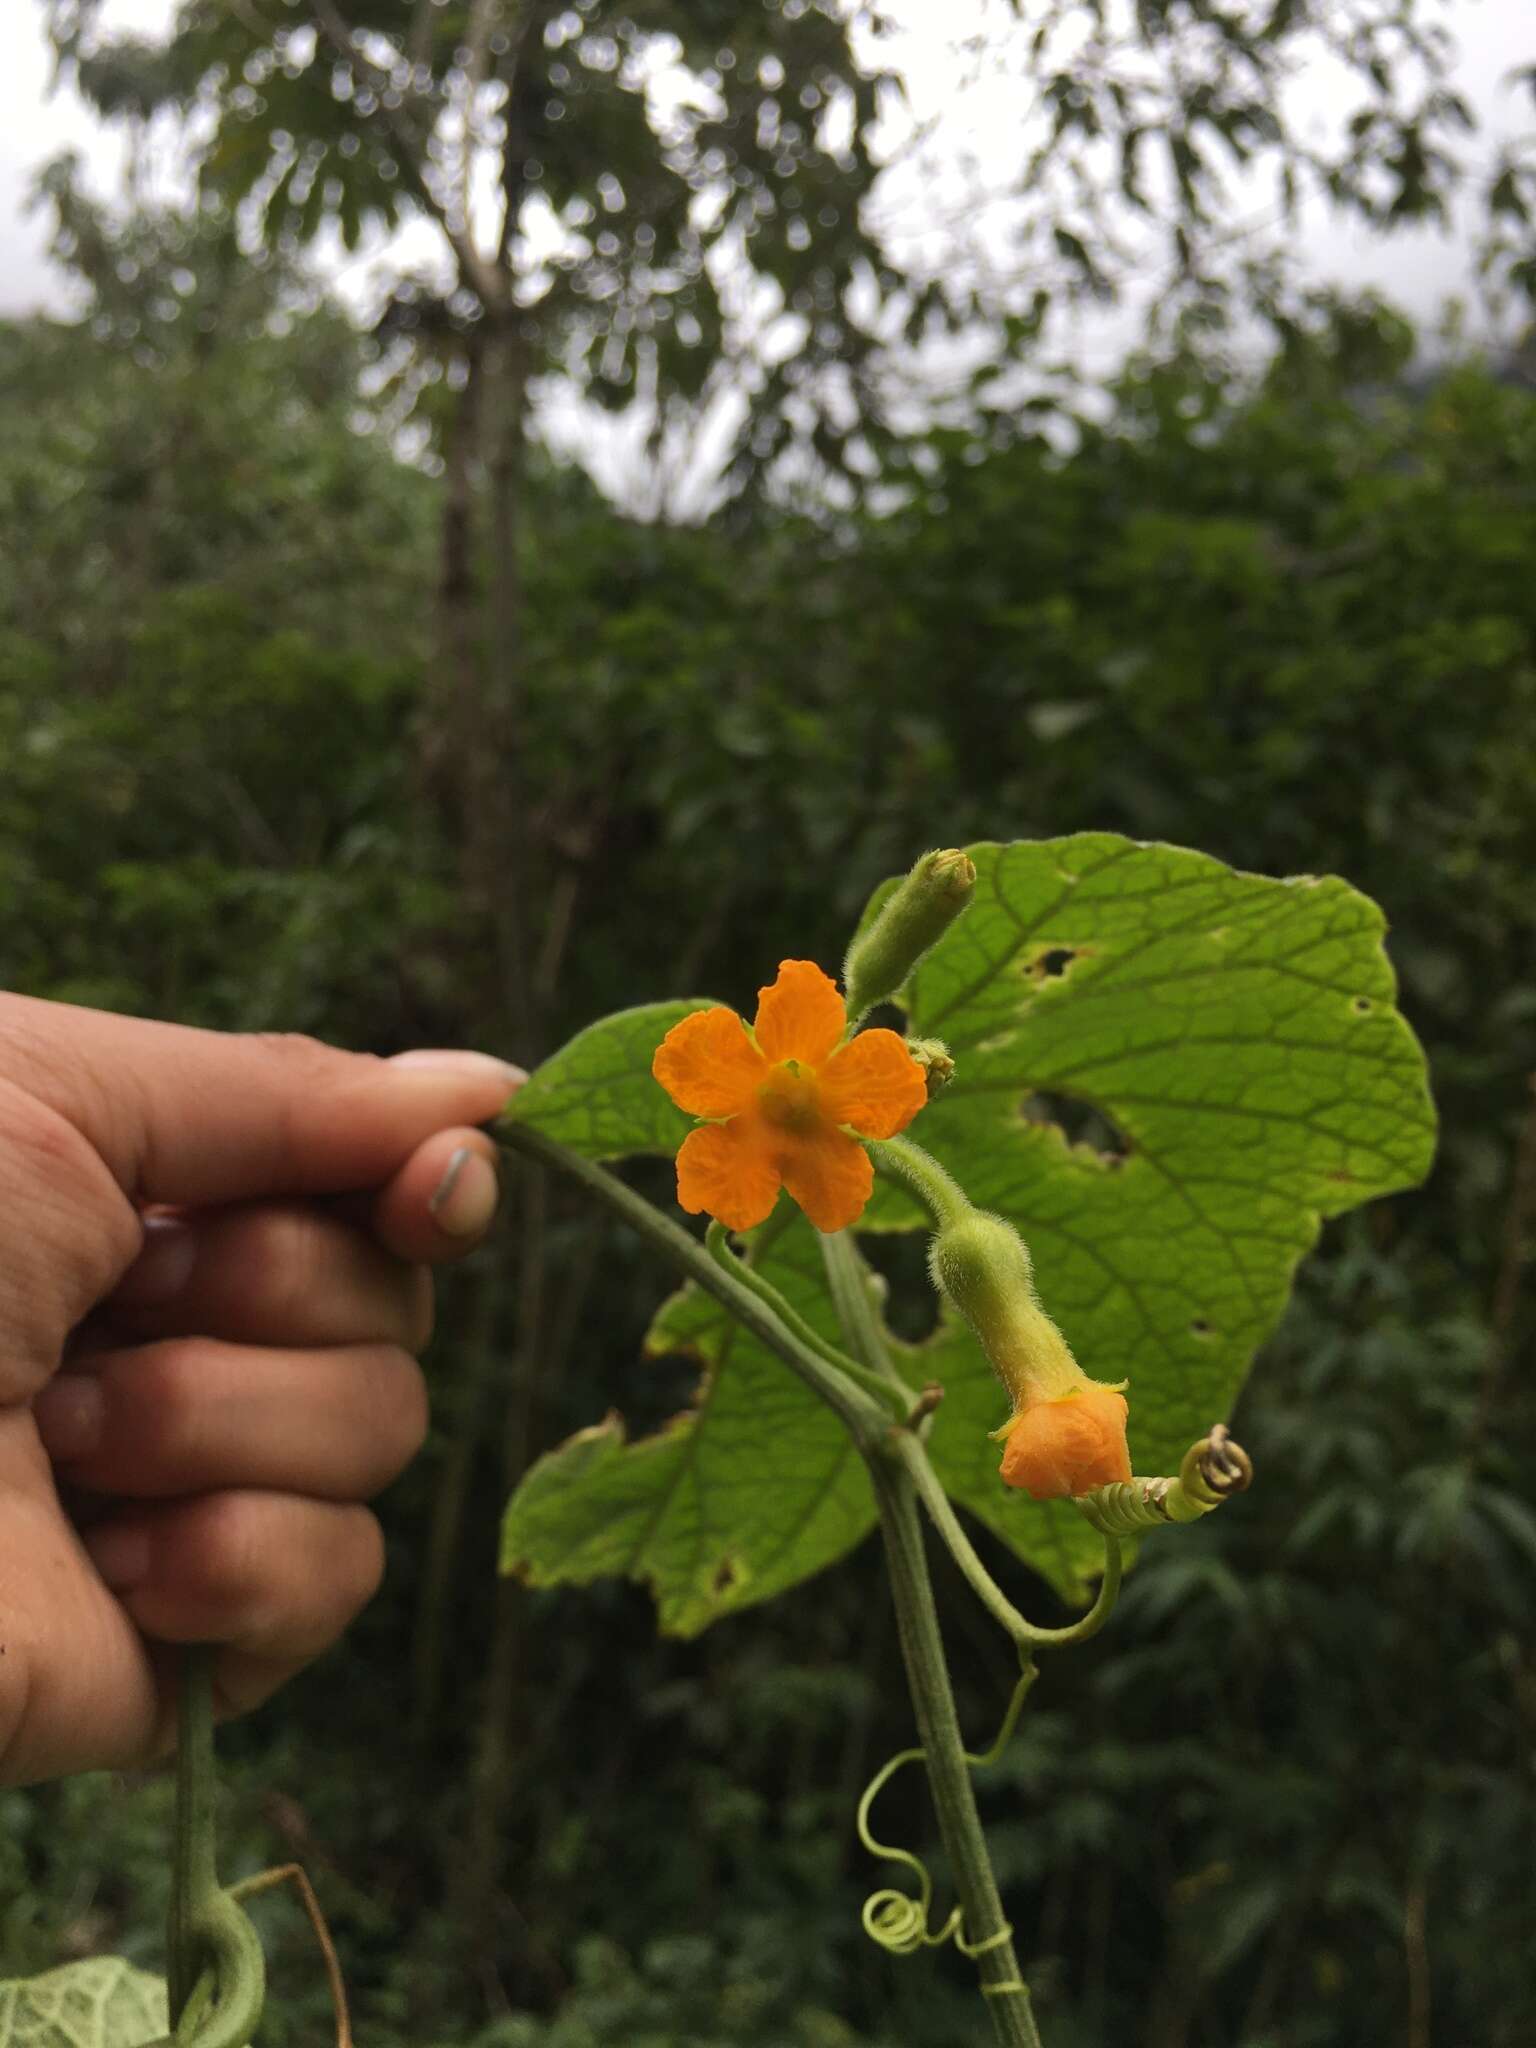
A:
(786, 1103)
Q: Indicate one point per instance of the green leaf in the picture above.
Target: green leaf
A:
(1225, 1054)
(597, 1093)
(1168, 1074)
(741, 1496)
(100, 2003)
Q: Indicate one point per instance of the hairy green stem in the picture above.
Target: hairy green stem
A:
(216, 1970)
(194, 1876)
(866, 1421)
(892, 1466)
(849, 1279)
(987, 1933)
(1027, 1634)
(898, 1159)
(896, 1397)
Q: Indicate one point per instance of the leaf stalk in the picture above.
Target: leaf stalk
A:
(867, 1421)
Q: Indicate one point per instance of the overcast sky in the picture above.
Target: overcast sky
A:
(1417, 272)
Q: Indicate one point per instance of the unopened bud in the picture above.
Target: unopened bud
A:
(936, 1061)
(1067, 1432)
(913, 918)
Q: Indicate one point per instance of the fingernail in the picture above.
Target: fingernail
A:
(70, 1413)
(164, 1264)
(453, 1060)
(120, 1555)
(464, 1200)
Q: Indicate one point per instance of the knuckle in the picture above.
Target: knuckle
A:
(278, 1271)
(229, 1552)
(274, 1576)
(353, 1574)
(302, 1054)
(160, 1383)
(398, 1400)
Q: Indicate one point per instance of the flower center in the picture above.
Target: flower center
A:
(789, 1098)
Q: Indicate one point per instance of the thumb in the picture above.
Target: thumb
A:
(100, 1114)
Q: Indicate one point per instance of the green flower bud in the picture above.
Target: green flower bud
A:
(913, 918)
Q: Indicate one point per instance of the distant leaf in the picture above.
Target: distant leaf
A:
(103, 2002)
(597, 1093)
(746, 1493)
(1168, 1073)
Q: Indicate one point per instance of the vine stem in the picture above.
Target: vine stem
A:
(863, 1416)
(898, 1159)
(987, 1932)
(194, 1876)
(215, 1968)
(988, 1935)
(1027, 1634)
(897, 1395)
(849, 1280)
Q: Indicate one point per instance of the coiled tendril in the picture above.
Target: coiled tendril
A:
(1211, 1472)
(896, 1920)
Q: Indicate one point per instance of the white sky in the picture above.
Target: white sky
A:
(1418, 271)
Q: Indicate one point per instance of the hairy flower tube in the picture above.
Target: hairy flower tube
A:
(1066, 1434)
(786, 1103)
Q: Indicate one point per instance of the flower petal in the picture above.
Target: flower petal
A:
(802, 1016)
(1058, 1448)
(708, 1064)
(874, 1084)
(727, 1170)
(829, 1175)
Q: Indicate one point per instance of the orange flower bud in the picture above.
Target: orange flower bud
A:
(1067, 1432)
(1055, 1449)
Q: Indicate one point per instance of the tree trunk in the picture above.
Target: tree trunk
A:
(501, 864)
(500, 843)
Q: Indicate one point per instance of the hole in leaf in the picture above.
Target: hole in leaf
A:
(1361, 1006)
(1200, 1327)
(727, 1573)
(1081, 1124)
(1050, 963)
(666, 1392)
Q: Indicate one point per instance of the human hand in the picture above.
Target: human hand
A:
(213, 1285)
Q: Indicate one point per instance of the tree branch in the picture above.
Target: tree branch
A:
(534, 14)
(418, 46)
(483, 278)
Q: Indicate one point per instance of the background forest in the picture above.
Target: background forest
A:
(331, 701)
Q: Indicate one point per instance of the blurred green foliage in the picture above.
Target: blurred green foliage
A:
(1286, 1802)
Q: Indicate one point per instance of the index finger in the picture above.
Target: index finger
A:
(185, 1116)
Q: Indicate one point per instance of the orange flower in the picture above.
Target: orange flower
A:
(786, 1101)
(1069, 1445)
